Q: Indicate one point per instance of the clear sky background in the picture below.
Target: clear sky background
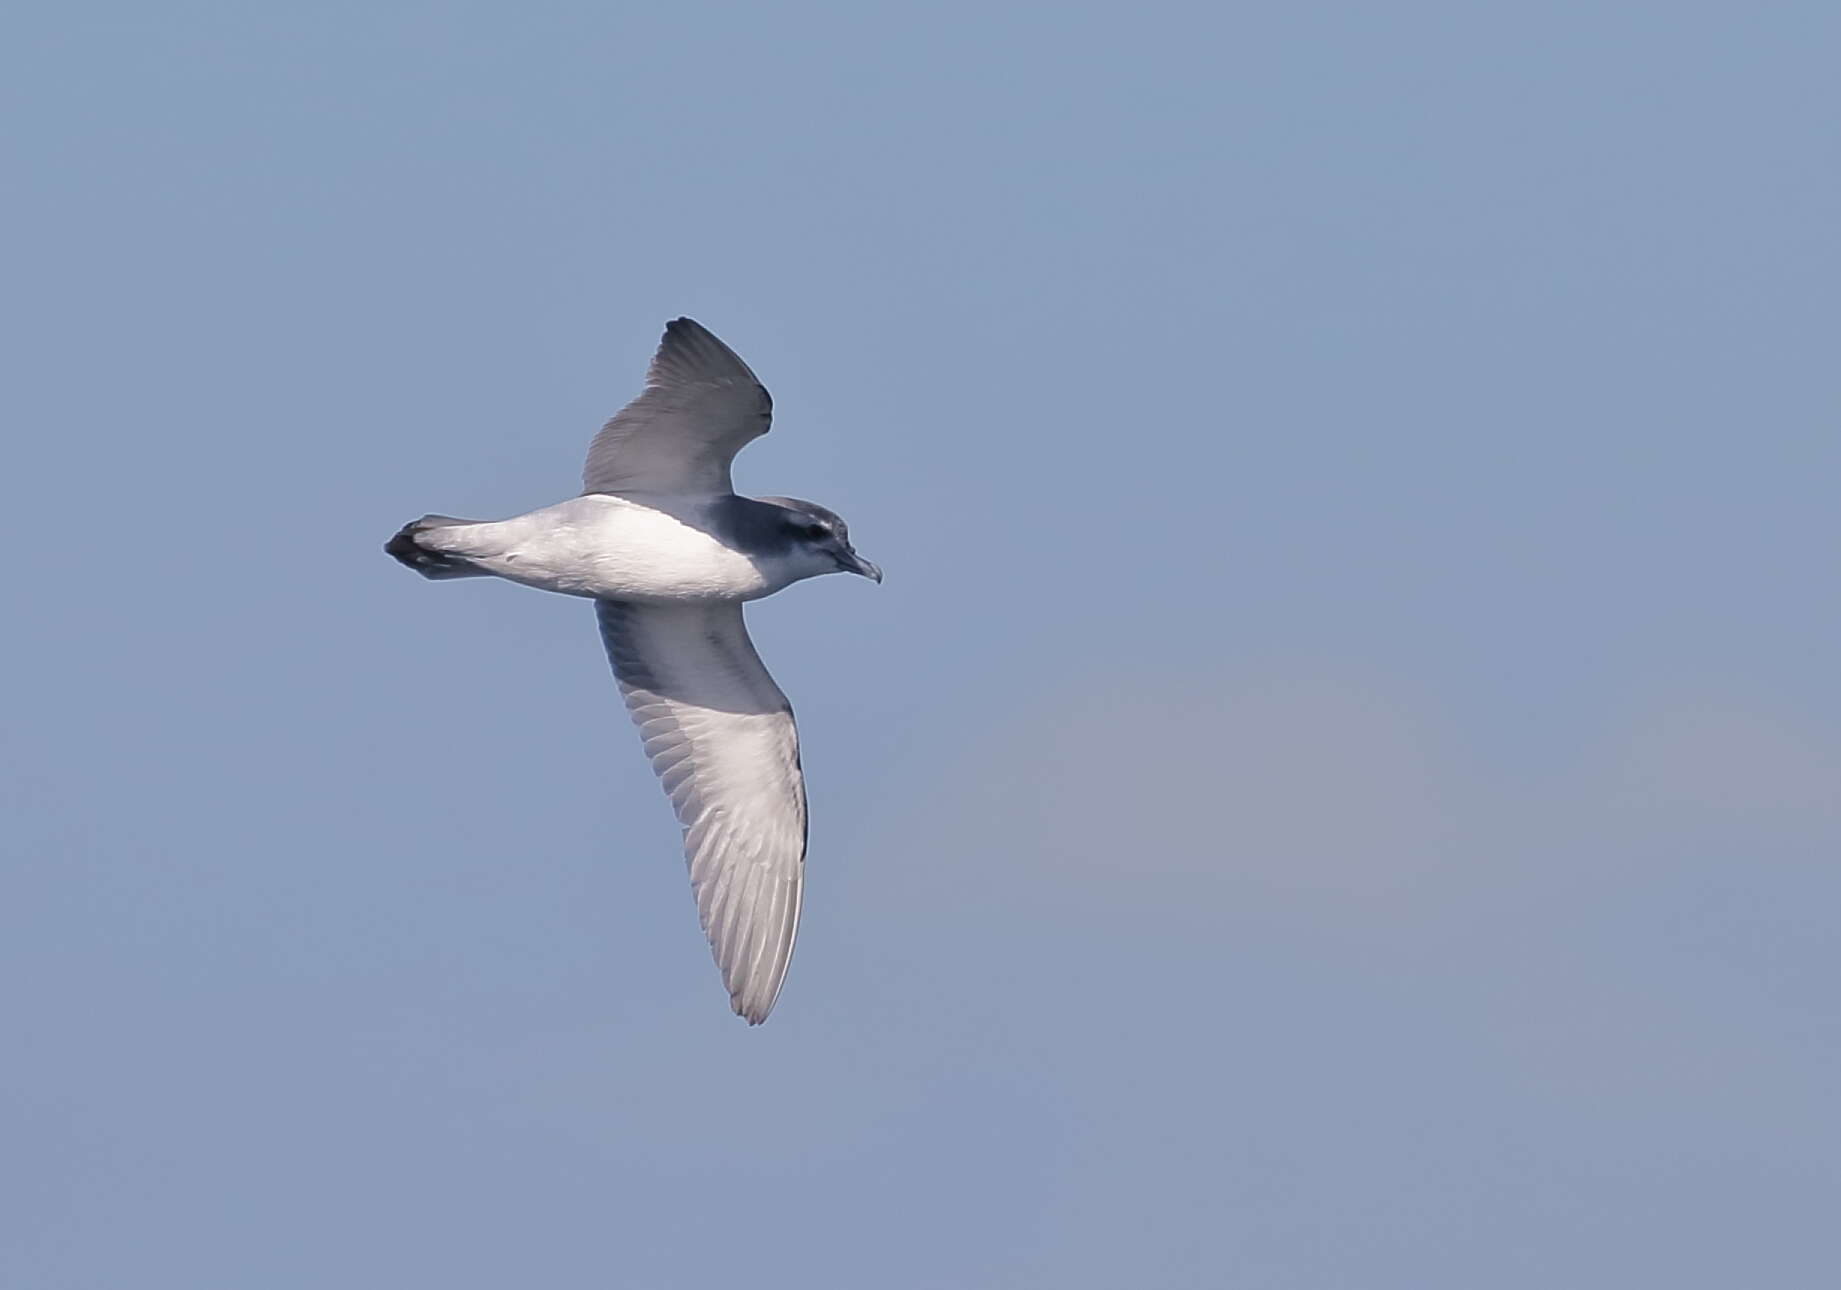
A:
(1340, 788)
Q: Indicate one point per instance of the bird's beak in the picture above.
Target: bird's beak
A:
(853, 563)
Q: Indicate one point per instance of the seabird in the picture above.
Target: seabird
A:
(668, 553)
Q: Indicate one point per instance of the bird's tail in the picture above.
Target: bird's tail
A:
(424, 559)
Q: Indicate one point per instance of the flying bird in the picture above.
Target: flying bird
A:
(668, 553)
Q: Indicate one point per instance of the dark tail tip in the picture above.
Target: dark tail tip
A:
(404, 548)
(430, 564)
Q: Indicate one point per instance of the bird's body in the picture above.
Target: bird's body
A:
(654, 548)
(669, 553)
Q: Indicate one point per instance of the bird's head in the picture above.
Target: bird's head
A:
(817, 540)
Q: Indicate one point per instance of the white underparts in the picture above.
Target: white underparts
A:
(614, 548)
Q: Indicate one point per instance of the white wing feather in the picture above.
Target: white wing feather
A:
(720, 736)
(700, 407)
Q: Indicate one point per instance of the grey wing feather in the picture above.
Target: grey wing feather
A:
(700, 407)
(720, 735)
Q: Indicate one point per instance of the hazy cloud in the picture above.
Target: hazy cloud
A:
(1715, 755)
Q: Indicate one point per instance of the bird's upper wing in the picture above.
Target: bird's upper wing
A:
(700, 407)
(721, 738)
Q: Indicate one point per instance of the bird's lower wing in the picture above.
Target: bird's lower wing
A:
(720, 736)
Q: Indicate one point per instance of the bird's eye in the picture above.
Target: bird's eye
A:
(817, 531)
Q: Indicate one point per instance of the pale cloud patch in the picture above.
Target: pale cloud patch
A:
(1300, 783)
(1338, 790)
(1696, 758)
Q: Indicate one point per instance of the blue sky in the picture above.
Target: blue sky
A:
(1341, 785)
